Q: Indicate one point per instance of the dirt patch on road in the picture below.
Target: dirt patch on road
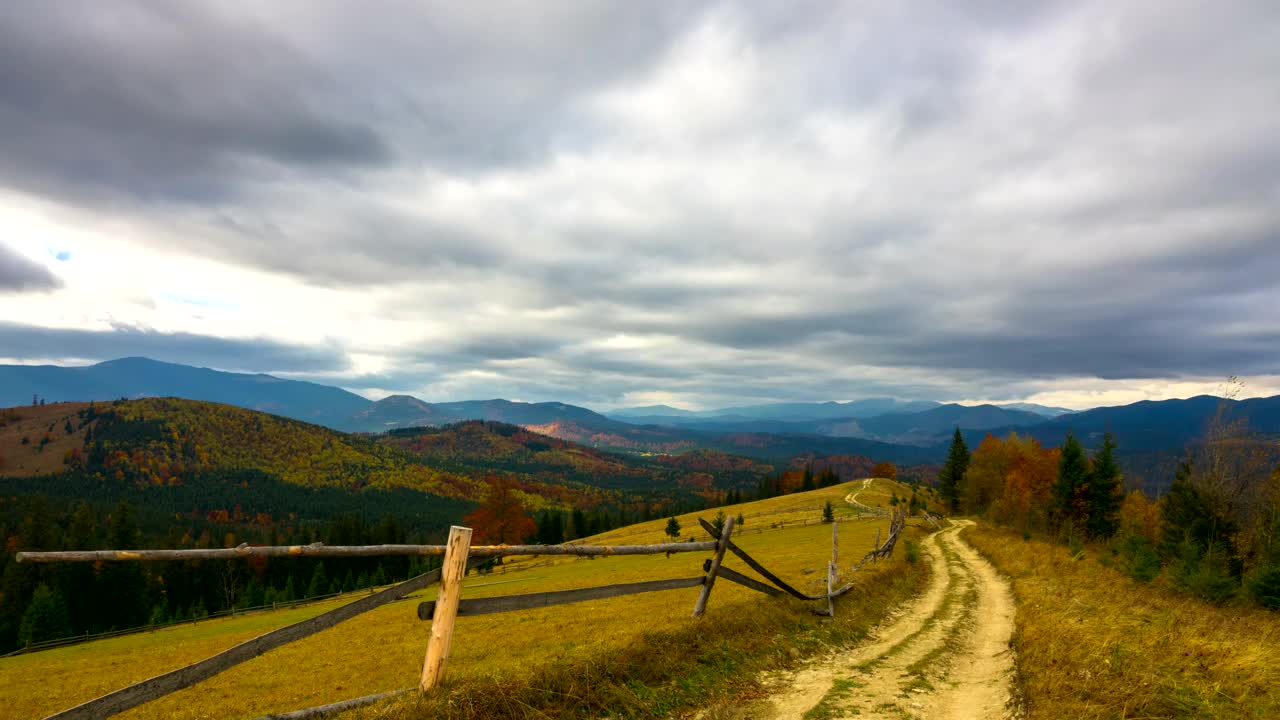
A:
(943, 656)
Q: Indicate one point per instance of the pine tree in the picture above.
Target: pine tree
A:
(717, 523)
(807, 482)
(952, 473)
(46, 617)
(123, 585)
(1068, 504)
(1105, 491)
(159, 614)
(740, 521)
(673, 527)
(77, 580)
(319, 582)
(828, 513)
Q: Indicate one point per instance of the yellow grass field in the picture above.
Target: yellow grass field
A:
(1093, 643)
(383, 650)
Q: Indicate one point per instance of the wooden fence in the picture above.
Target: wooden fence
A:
(458, 557)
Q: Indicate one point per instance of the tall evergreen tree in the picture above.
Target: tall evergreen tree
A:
(45, 619)
(952, 474)
(1105, 491)
(319, 582)
(123, 585)
(1069, 503)
(21, 579)
(77, 579)
(806, 483)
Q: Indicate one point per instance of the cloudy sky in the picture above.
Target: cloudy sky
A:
(616, 203)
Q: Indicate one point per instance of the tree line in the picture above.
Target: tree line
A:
(40, 602)
(1215, 534)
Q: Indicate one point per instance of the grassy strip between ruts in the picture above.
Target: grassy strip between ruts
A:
(716, 660)
(1093, 643)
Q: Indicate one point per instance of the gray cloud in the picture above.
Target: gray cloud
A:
(18, 274)
(249, 355)
(731, 200)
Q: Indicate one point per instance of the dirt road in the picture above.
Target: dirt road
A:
(943, 656)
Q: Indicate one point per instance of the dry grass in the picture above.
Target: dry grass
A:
(1093, 643)
(33, 423)
(382, 650)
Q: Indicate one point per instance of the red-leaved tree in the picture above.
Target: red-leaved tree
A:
(501, 520)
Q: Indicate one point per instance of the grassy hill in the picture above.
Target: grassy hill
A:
(640, 654)
(165, 442)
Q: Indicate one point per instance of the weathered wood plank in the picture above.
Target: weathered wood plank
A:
(174, 680)
(701, 606)
(764, 572)
(529, 601)
(752, 583)
(452, 571)
(332, 708)
(321, 550)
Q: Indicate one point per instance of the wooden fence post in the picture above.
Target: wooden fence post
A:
(452, 571)
(877, 547)
(701, 607)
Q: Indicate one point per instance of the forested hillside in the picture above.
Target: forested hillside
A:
(163, 472)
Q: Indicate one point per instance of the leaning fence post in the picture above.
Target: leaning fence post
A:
(710, 580)
(452, 570)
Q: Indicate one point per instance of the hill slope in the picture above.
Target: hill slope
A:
(167, 441)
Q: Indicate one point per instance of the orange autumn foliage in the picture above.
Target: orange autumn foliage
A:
(1140, 516)
(885, 469)
(501, 520)
(1010, 479)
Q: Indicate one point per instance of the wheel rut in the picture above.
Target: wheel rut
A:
(944, 655)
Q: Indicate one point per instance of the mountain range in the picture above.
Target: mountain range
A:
(905, 432)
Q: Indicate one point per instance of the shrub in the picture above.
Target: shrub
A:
(1139, 558)
(912, 551)
(1204, 574)
(1266, 588)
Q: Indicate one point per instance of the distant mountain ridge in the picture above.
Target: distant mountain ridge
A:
(906, 432)
(137, 377)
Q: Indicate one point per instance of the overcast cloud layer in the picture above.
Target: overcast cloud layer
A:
(626, 203)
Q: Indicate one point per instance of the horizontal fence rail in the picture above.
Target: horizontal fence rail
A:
(322, 550)
(458, 557)
(134, 695)
(508, 603)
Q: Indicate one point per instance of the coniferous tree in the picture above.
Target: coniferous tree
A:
(952, 474)
(807, 482)
(1069, 503)
(77, 579)
(46, 617)
(717, 523)
(1105, 492)
(828, 513)
(123, 585)
(319, 582)
(673, 527)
